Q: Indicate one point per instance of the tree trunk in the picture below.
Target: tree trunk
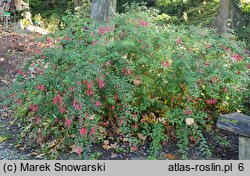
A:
(228, 17)
(78, 3)
(103, 10)
(18, 5)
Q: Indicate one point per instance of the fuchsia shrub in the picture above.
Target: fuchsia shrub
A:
(129, 77)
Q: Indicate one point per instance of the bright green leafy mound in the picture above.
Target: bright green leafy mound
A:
(132, 79)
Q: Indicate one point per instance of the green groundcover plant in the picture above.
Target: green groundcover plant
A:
(131, 79)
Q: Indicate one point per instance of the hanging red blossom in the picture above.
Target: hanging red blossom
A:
(68, 122)
(83, 131)
(100, 82)
(34, 108)
(40, 87)
(98, 103)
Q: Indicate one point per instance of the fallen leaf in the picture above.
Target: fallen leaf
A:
(169, 156)
(3, 138)
(137, 82)
(76, 149)
(92, 117)
(106, 142)
(102, 130)
(142, 137)
(33, 154)
(125, 139)
(40, 156)
(118, 131)
(106, 147)
(18, 145)
(23, 148)
(113, 155)
(113, 146)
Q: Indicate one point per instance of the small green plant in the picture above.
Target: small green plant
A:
(95, 155)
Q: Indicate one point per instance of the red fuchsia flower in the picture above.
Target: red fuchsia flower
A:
(144, 23)
(134, 148)
(57, 99)
(213, 80)
(72, 89)
(41, 87)
(178, 41)
(13, 95)
(89, 86)
(77, 106)
(126, 71)
(20, 101)
(172, 100)
(68, 122)
(226, 48)
(236, 57)
(100, 82)
(206, 64)
(20, 72)
(134, 126)
(135, 115)
(56, 120)
(79, 150)
(33, 64)
(55, 67)
(43, 56)
(38, 120)
(62, 109)
(34, 108)
(94, 43)
(58, 40)
(103, 30)
(199, 82)
(38, 51)
(165, 64)
(83, 131)
(115, 97)
(79, 83)
(248, 66)
(211, 101)
(113, 107)
(92, 130)
(129, 72)
(49, 41)
(121, 121)
(224, 89)
(188, 112)
(98, 103)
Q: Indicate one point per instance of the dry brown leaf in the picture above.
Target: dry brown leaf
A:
(142, 137)
(169, 156)
(118, 131)
(113, 146)
(102, 130)
(113, 155)
(106, 147)
(92, 117)
(106, 142)
(137, 82)
(125, 139)
(33, 154)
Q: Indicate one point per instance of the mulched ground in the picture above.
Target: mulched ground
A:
(18, 47)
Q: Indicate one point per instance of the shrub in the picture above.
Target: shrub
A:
(128, 78)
